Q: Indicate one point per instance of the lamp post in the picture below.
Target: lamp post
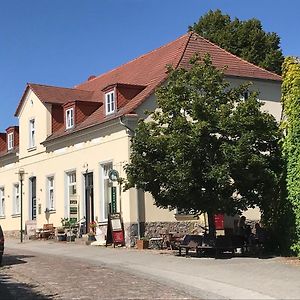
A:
(21, 174)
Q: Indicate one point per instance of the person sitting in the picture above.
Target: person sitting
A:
(259, 234)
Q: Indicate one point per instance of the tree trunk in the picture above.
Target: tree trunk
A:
(211, 225)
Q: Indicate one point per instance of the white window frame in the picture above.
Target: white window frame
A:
(17, 203)
(110, 103)
(71, 182)
(50, 193)
(2, 201)
(10, 141)
(104, 184)
(70, 118)
(32, 133)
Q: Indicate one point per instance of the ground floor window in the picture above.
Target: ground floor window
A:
(50, 193)
(2, 202)
(72, 196)
(106, 185)
(16, 194)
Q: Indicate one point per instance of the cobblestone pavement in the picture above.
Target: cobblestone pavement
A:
(27, 275)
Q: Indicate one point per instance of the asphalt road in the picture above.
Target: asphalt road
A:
(133, 274)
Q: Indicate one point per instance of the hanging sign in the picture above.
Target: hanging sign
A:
(113, 199)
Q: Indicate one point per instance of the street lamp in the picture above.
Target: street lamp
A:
(21, 174)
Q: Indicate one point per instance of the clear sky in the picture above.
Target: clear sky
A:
(62, 42)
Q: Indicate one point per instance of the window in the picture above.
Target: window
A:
(106, 190)
(16, 199)
(2, 202)
(69, 118)
(10, 141)
(245, 95)
(32, 133)
(50, 196)
(72, 196)
(110, 102)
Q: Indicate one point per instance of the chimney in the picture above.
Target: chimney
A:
(91, 77)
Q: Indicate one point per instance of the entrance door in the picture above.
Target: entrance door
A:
(33, 197)
(89, 199)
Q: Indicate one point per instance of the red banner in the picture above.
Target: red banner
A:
(219, 221)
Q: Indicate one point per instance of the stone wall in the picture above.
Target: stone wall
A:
(155, 229)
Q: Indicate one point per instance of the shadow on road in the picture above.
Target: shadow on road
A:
(11, 290)
(9, 260)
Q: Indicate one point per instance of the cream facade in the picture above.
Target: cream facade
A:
(69, 139)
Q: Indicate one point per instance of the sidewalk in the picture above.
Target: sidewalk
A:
(206, 278)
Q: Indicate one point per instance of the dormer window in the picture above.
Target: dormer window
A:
(110, 104)
(69, 118)
(10, 141)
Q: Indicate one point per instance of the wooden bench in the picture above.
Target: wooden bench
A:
(47, 232)
(190, 242)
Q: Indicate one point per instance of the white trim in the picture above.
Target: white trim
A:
(32, 135)
(10, 141)
(2, 201)
(110, 102)
(69, 118)
(16, 199)
(103, 209)
(50, 181)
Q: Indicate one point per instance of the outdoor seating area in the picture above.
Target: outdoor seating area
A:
(230, 245)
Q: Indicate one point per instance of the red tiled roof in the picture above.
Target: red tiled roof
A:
(148, 70)
(55, 95)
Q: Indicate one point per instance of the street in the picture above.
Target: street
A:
(29, 275)
(52, 270)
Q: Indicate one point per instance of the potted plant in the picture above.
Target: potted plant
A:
(61, 234)
(91, 236)
(142, 243)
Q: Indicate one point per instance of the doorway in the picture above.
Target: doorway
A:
(33, 198)
(89, 199)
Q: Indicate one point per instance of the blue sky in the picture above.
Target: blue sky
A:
(62, 42)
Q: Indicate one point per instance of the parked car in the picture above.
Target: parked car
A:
(1, 244)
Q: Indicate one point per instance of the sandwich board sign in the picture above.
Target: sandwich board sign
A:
(115, 230)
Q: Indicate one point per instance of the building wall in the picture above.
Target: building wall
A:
(87, 151)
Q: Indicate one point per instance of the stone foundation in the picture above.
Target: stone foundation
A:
(155, 229)
(13, 234)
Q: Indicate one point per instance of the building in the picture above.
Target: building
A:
(68, 139)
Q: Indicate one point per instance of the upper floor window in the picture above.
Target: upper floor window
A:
(69, 118)
(50, 191)
(10, 141)
(31, 133)
(110, 105)
(2, 202)
(245, 95)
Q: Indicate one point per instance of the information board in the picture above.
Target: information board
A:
(219, 222)
(115, 230)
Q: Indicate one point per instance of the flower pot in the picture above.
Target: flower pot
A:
(61, 237)
(71, 238)
(142, 244)
(91, 238)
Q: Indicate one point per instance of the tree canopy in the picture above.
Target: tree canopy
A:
(206, 148)
(246, 39)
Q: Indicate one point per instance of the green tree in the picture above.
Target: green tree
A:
(291, 145)
(206, 148)
(245, 39)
